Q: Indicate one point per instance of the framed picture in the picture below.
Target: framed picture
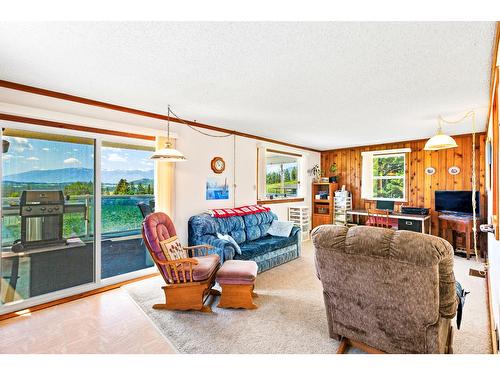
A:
(216, 188)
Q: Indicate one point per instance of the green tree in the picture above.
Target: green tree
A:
(79, 188)
(286, 175)
(122, 188)
(141, 189)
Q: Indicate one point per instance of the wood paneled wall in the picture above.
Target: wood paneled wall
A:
(420, 187)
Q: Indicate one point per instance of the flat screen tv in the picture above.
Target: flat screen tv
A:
(458, 201)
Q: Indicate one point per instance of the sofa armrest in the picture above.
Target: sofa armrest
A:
(223, 248)
(295, 230)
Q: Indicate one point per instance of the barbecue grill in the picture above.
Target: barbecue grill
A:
(41, 217)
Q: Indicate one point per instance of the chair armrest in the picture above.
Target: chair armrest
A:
(448, 300)
(198, 250)
(177, 270)
(223, 248)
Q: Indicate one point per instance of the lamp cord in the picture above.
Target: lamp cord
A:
(474, 182)
(194, 128)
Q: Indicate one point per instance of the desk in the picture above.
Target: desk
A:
(424, 219)
(461, 225)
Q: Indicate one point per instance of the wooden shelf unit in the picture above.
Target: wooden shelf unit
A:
(323, 209)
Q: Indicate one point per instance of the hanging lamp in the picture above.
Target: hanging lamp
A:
(168, 153)
(440, 141)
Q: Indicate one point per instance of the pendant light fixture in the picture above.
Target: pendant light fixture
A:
(440, 141)
(168, 153)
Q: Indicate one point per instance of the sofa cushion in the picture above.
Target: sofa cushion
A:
(256, 225)
(263, 245)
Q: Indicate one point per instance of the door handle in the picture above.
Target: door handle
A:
(487, 228)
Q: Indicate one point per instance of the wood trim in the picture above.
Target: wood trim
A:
(138, 112)
(493, 335)
(283, 152)
(274, 201)
(74, 297)
(398, 142)
(493, 68)
(63, 125)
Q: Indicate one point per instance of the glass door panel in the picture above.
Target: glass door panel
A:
(127, 183)
(47, 213)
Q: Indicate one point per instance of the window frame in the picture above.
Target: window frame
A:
(377, 154)
(262, 198)
(98, 139)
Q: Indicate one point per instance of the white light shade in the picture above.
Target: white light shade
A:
(440, 142)
(168, 154)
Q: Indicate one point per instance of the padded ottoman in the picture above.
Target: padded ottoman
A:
(237, 278)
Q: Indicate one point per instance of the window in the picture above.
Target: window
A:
(47, 241)
(282, 175)
(384, 175)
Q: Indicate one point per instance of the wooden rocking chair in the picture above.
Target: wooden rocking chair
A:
(189, 281)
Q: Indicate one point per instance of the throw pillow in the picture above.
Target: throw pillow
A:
(172, 249)
(227, 237)
(280, 228)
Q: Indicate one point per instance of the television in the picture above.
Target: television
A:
(456, 201)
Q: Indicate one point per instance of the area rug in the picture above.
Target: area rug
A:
(291, 315)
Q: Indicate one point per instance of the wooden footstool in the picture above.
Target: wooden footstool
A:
(237, 278)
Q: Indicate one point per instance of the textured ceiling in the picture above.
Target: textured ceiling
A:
(321, 85)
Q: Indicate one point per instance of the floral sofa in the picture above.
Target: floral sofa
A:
(250, 232)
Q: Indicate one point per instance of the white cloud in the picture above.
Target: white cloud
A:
(72, 161)
(46, 149)
(33, 158)
(116, 157)
(21, 141)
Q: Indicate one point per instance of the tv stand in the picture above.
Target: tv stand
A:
(458, 224)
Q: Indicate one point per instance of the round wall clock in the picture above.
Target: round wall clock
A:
(430, 171)
(218, 164)
(454, 170)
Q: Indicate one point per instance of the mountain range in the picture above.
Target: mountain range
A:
(67, 175)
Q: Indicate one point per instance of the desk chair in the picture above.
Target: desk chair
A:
(378, 218)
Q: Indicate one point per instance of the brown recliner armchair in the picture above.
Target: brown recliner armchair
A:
(386, 291)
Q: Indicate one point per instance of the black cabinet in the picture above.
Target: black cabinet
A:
(413, 225)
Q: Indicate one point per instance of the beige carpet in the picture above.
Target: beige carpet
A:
(291, 317)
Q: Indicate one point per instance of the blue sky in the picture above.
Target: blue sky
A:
(34, 154)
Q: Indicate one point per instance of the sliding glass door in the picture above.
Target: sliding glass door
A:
(60, 235)
(47, 213)
(127, 183)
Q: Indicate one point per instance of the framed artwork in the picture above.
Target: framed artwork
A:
(216, 188)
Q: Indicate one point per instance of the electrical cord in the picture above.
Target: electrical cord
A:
(474, 181)
(198, 130)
